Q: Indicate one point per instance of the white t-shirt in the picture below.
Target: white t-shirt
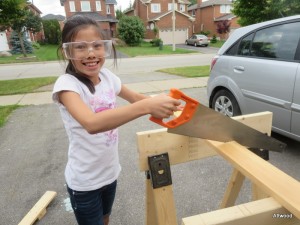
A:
(93, 160)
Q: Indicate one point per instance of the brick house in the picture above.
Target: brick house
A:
(158, 13)
(5, 35)
(209, 13)
(103, 11)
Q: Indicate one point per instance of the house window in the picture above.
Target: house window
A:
(72, 6)
(107, 9)
(170, 6)
(85, 6)
(155, 8)
(225, 9)
(182, 8)
(193, 12)
(98, 6)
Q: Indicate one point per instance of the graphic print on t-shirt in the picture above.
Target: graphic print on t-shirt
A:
(103, 102)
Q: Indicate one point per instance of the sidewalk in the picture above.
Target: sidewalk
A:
(141, 87)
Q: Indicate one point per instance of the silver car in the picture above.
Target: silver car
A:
(258, 69)
(197, 40)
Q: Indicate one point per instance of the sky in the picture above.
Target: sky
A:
(54, 7)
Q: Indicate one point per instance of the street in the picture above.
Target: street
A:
(126, 66)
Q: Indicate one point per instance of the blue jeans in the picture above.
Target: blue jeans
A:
(91, 206)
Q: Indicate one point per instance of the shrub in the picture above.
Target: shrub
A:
(214, 39)
(131, 30)
(206, 33)
(36, 45)
(52, 32)
(156, 42)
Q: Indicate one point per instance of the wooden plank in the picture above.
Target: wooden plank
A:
(165, 206)
(180, 148)
(183, 149)
(233, 189)
(39, 209)
(257, 193)
(267, 177)
(262, 212)
(151, 217)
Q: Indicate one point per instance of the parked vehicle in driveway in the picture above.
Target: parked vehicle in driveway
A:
(258, 69)
(197, 40)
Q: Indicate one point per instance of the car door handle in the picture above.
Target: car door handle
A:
(239, 69)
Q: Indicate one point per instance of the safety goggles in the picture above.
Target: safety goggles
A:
(81, 50)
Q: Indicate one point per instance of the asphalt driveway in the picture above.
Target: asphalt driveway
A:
(33, 151)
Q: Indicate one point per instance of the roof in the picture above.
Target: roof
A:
(166, 13)
(97, 17)
(53, 17)
(35, 8)
(128, 10)
(114, 2)
(210, 3)
(179, 1)
(229, 16)
(107, 2)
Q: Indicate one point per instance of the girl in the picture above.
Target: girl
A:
(86, 97)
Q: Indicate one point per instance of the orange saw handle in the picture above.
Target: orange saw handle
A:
(187, 112)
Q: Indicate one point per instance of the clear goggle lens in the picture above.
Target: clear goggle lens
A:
(83, 49)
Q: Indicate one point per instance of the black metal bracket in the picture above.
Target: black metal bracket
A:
(159, 170)
(263, 153)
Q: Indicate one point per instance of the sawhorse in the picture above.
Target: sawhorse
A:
(266, 179)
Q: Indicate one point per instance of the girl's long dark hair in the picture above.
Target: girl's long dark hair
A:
(73, 25)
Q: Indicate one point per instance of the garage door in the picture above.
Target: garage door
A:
(3, 42)
(167, 36)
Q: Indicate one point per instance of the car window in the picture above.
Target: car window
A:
(245, 45)
(278, 42)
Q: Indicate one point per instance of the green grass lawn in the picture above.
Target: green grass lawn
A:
(21, 86)
(5, 111)
(146, 49)
(217, 45)
(44, 53)
(189, 71)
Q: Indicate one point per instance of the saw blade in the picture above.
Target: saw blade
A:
(209, 124)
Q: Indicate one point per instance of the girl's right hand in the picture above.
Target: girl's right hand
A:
(162, 106)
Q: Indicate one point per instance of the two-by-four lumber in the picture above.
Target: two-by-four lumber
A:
(271, 180)
(233, 189)
(182, 148)
(39, 209)
(263, 212)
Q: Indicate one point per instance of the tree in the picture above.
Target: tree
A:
(52, 31)
(223, 27)
(131, 30)
(255, 11)
(119, 14)
(16, 46)
(15, 14)
(192, 2)
(249, 12)
(9, 12)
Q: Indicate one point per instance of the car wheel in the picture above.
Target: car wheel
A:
(225, 103)
(195, 44)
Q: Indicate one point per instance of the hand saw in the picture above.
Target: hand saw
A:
(197, 120)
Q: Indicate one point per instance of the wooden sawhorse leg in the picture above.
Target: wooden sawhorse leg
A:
(234, 187)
